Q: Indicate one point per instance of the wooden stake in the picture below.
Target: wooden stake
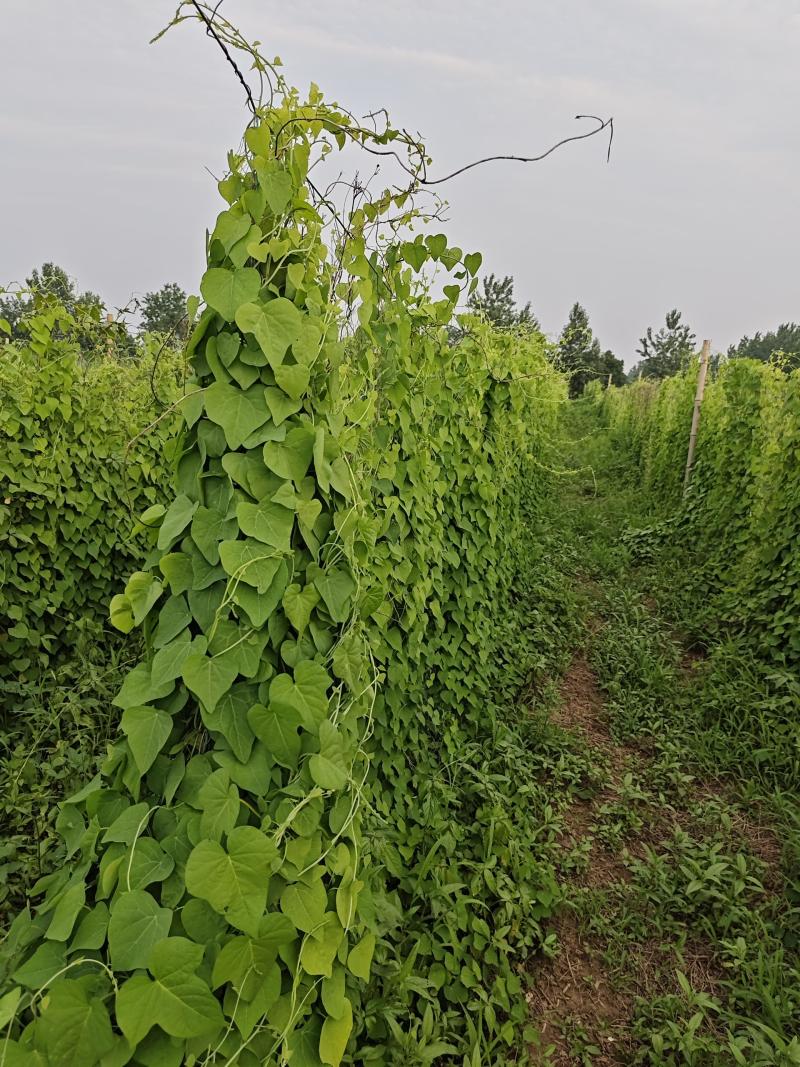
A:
(698, 400)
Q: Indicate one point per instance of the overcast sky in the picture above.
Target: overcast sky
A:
(105, 141)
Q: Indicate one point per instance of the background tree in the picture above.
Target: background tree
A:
(164, 309)
(50, 280)
(580, 355)
(666, 352)
(496, 302)
(781, 346)
(613, 365)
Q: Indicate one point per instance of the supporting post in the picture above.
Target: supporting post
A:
(608, 383)
(698, 400)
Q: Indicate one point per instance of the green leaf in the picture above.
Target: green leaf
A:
(73, 1028)
(146, 863)
(291, 458)
(137, 923)
(219, 800)
(334, 995)
(275, 325)
(66, 912)
(168, 662)
(177, 569)
(278, 729)
(293, 380)
(231, 227)
(178, 516)
(175, 999)
(306, 347)
(228, 345)
(208, 677)
(121, 613)
(254, 775)
(336, 587)
(414, 253)
(173, 618)
(139, 688)
(128, 824)
(92, 929)
(359, 961)
(276, 930)
(305, 904)
(147, 730)
(335, 1035)
(226, 290)
(239, 958)
(209, 527)
(320, 948)
(308, 511)
(234, 879)
(8, 1006)
(260, 606)
(329, 768)
(39, 970)
(280, 406)
(142, 591)
(298, 604)
(437, 244)
(277, 186)
(451, 257)
(267, 522)
(306, 693)
(303, 1044)
(238, 411)
(349, 659)
(472, 261)
(230, 719)
(250, 561)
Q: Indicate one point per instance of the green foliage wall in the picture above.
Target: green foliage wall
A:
(67, 501)
(742, 514)
(303, 846)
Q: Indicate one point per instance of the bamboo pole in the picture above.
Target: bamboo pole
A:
(698, 400)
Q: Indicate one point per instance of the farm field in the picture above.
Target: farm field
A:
(635, 785)
(379, 683)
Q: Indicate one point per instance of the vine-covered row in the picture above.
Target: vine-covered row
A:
(742, 513)
(302, 847)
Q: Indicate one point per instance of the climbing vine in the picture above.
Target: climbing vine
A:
(307, 844)
(70, 490)
(742, 514)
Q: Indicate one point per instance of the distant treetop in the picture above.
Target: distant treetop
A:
(496, 302)
(666, 352)
(49, 280)
(164, 310)
(781, 346)
(580, 355)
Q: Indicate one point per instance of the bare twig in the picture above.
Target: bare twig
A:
(209, 24)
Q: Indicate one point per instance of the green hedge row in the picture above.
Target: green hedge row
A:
(312, 842)
(68, 499)
(741, 516)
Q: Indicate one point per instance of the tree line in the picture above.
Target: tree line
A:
(162, 311)
(662, 352)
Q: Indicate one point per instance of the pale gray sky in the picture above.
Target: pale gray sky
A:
(105, 140)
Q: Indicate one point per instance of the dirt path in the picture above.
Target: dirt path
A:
(573, 991)
(582, 1004)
